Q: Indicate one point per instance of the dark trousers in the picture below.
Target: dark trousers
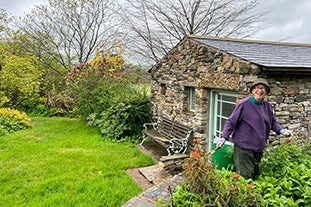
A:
(246, 162)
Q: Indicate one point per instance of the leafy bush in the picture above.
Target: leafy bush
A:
(94, 90)
(12, 120)
(37, 106)
(207, 186)
(20, 78)
(286, 175)
(103, 94)
(124, 119)
(33, 105)
(93, 87)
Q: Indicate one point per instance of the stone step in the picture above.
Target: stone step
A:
(154, 174)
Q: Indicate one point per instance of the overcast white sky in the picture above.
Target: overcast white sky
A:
(288, 21)
(18, 7)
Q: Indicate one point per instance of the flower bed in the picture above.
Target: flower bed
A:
(12, 120)
(285, 180)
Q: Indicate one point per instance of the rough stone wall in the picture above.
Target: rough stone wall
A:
(291, 99)
(191, 64)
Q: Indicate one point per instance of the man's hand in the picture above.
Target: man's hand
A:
(220, 143)
(286, 132)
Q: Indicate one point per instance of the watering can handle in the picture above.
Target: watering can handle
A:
(214, 150)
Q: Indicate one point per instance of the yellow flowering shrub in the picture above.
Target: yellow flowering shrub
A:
(109, 58)
(15, 116)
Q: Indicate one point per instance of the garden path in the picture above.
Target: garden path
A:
(154, 180)
(149, 197)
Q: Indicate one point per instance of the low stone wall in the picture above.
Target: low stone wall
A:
(173, 163)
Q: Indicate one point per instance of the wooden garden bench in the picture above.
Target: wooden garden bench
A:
(169, 134)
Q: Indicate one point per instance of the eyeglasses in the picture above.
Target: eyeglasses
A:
(260, 88)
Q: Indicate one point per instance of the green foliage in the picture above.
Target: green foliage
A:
(52, 72)
(64, 162)
(41, 106)
(286, 175)
(33, 105)
(285, 180)
(124, 119)
(93, 90)
(19, 78)
(139, 74)
(103, 94)
(184, 198)
(12, 120)
(22, 65)
(207, 186)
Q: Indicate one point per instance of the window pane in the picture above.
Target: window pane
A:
(227, 109)
(223, 121)
(223, 105)
(218, 124)
(192, 99)
(228, 98)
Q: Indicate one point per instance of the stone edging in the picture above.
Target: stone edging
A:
(149, 197)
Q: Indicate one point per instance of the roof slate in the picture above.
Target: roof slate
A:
(267, 54)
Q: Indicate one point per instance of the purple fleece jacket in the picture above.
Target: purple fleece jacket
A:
(250, 124)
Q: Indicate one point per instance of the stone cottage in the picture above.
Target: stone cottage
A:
(200, 81)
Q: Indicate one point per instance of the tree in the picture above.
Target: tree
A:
(158, 25)
(91, 86)
(69, 31)
(4, 21)
(19, 78)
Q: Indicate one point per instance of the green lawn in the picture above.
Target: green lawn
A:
(63, 162)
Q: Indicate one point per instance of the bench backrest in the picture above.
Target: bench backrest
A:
(171, 129)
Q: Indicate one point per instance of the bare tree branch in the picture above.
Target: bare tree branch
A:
(71, 30)
(157, 26)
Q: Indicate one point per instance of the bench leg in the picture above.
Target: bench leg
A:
(168, 151)
(144, 138)
(185, 150)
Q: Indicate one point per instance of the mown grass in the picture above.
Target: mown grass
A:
(63, 162)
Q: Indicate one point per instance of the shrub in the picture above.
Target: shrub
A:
(124, 119)
(93, 87)
(207, 186)
(20, 78)
(33, 105)
(12, 120)
(94, 90)
(103, 94)
(286, 174)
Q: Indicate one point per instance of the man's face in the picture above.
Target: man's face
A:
(259, 92)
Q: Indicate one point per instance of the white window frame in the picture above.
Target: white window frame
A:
(192, 99)
(215, 101)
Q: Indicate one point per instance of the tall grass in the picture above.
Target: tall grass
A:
(63, 162)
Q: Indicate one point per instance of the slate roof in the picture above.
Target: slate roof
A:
(267, 54)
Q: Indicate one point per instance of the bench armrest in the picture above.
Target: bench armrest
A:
(147, 125)
(182, 148)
